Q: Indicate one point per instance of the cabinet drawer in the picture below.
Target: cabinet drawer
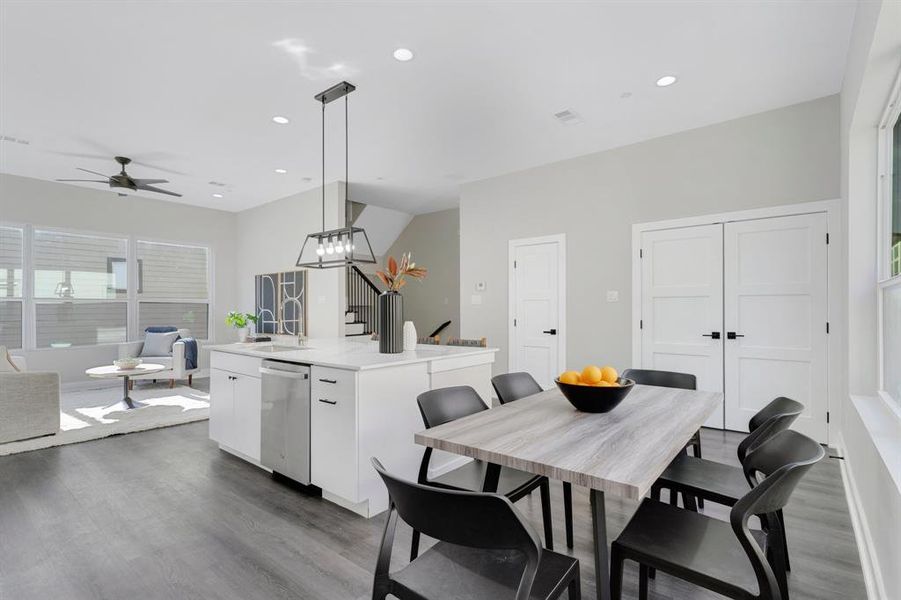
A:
(236, 363)
(332, 384)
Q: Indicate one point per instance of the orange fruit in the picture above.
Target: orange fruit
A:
(609, 374)
(591, 375)
(603, 383)
(571, 377)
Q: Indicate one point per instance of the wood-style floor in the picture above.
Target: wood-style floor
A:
(165, 514)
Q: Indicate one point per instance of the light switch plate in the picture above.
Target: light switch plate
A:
(476, 299)
(612, 295)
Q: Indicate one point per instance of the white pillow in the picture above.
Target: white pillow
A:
(159, 344)
(6, 362)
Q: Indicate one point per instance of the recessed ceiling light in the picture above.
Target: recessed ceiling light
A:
(217, 195)
(307, 178)
(666, 80)
(280, 120)
(281, 171)
(403, 54)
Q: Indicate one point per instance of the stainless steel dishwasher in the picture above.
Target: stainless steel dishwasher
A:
(285, 419)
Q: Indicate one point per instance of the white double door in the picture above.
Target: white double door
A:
(742, 306)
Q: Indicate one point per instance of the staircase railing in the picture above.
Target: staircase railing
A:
(362, 299)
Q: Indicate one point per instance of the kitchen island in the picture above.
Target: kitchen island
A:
(362, 404)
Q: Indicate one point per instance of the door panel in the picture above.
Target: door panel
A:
(682, 287)
(248, 405)
(222, 407)
(775, 302)
(536, 297)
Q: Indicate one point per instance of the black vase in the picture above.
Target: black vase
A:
(391, 323)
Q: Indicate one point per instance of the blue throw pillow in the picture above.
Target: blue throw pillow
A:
(159, 344)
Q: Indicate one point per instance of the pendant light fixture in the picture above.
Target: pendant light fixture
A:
(348, 245)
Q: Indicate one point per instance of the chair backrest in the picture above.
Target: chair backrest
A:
(776, 416)
(780, 405)
(784, 459)
(472, 519)
(513, 386)
(670, 379)
(448, 404)
(476, 343)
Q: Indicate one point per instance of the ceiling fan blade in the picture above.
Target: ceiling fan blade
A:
(80, 155)
(150, 188)
(163, 169)
(85, 180)
(149, 181)
(92, 172)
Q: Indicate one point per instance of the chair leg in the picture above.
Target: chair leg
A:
(546, 514)
(616, 573)
(690, 502)
(171, 383)
(575, 586)
(781, 517)
(674, 497)
(414, 546)
(655, 495)
(568, 512)
(774, 535)
(642, 582)
(190, 379)
(131, 385)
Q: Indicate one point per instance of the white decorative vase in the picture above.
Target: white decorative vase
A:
(409, 336)
(242, 333)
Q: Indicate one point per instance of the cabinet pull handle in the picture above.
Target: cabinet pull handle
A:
(329, 380)
(327, 401)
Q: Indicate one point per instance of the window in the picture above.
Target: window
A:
(77, 299)
(173, 287)
(890, 248)
(11, 258)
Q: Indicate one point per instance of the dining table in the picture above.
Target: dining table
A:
(620, 452)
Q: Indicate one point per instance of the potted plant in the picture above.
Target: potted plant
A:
(391, 303)
(240, 321)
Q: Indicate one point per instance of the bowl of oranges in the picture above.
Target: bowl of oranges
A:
(594, 389)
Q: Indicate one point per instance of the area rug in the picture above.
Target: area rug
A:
(83, 415)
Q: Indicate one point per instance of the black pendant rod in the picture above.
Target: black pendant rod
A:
(323, 164)
(346, 176)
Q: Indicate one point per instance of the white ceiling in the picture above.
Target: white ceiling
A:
(191, 86)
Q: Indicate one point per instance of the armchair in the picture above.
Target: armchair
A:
(29, 404)
(175, 364)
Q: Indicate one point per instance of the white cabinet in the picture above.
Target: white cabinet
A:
(333, 432)
(235, 402)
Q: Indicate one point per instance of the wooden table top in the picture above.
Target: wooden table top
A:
(112, 371)
(622, 452)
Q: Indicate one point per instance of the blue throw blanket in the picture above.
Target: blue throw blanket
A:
(190, 345)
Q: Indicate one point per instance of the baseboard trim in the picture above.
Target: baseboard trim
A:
(872, 575)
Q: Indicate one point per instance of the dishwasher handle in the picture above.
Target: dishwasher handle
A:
(288, 374)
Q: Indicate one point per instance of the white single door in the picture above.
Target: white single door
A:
(775, 318)
(682, 306)
(537, 284)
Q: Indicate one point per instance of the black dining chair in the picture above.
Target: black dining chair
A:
(670, 379)
(513, 386)
(486, 549)
(448, 404)
(726, 558)
(724, 484)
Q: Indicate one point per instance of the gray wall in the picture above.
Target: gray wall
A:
(434, 240)
(778, 157)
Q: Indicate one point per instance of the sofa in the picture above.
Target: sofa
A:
(174, 362)
(29, 403)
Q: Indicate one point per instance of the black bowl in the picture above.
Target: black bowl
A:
(595, 399)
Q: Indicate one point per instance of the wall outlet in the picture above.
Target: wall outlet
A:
(612, 296)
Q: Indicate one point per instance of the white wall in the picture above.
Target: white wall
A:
(49, 204)
(783, 156)
(870, 429)
(269, 239)
(434, 240)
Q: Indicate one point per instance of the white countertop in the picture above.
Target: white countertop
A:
(350, 353)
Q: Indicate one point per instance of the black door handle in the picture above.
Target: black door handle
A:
(550, 331)
(731, 335)
(715, 335)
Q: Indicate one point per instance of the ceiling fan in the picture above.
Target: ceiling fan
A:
(124, 180)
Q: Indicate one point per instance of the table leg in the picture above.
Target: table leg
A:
(126, 402)
(599, 531)
(492, 477)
